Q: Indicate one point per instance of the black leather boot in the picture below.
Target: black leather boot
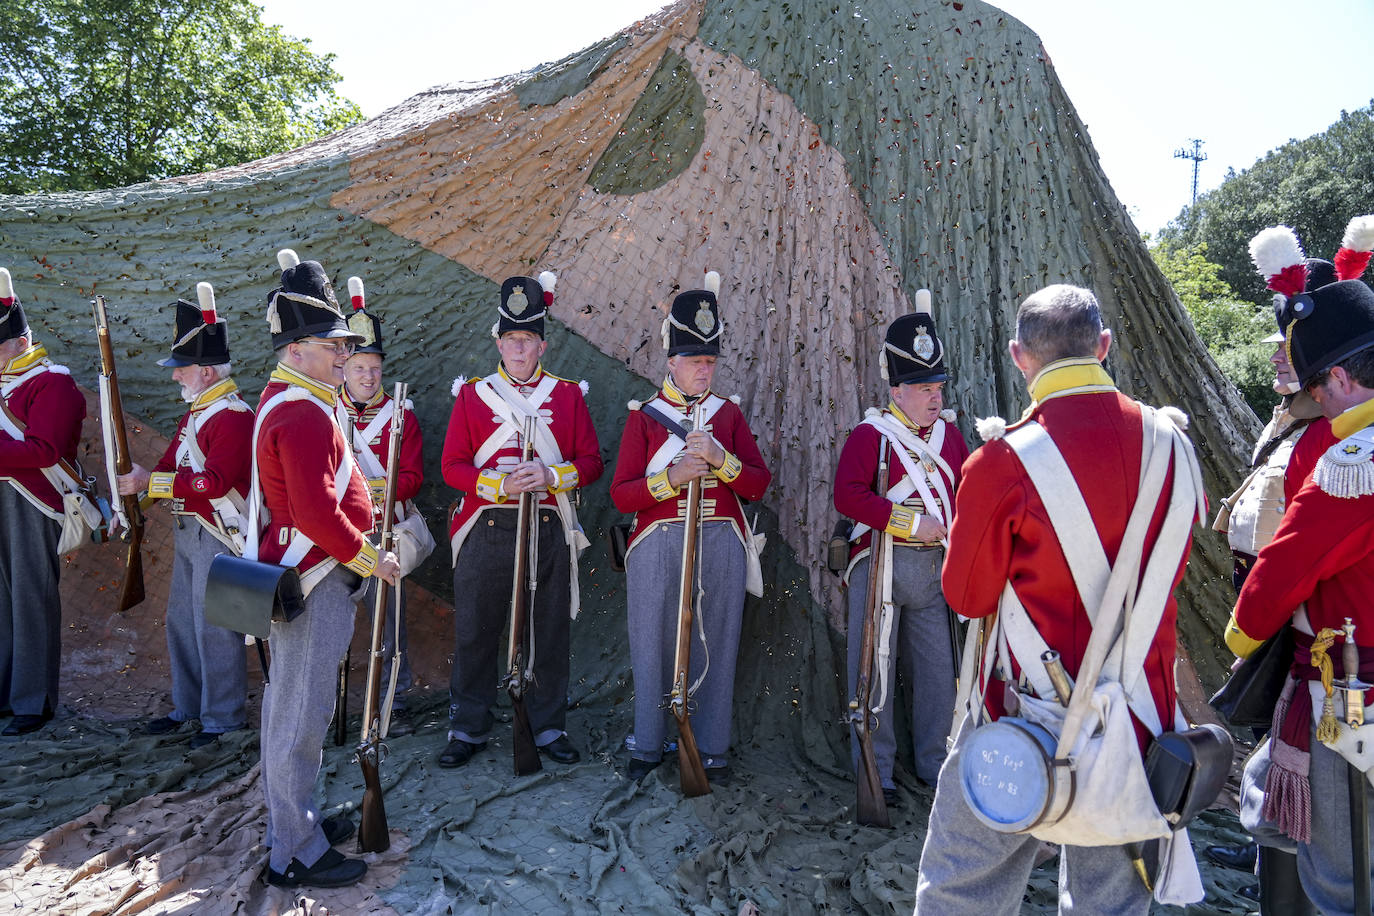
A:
(1281, 894)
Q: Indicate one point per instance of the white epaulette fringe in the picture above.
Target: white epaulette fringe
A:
(733, 399)
(458, 384)
(633, 405)
(584, 387)
(990, 428)
(1346, 470)
(949, 416)
(1176, 417)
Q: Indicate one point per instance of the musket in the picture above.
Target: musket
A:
(872, 807)
(373, 835)
(688, 757)
(116, 437)
(341, 699)
(1354, 690)
(523, 584)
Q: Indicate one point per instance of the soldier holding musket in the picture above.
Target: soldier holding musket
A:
(925, 454)
(321, 515)
(658, 457)
(369, 409)
(41, 410)
(203, 476)
(482, 457)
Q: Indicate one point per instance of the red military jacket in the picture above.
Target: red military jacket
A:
(856, 480)
(474, 423)
(299, 452)
(1002, 532)
(226, 441)
(1322, 553)
(50, 408)
(1312, 443)
(652, 498)
(411, 472)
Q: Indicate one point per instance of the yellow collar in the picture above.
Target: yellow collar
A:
(673, 395)
(896, 411)
(348, 401)
(1353, 419)
(1081, 375)
(26, 360)
(221, 389)
(284, 373)
(533, 379)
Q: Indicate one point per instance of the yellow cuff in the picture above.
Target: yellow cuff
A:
(564, 477)
(902, 522)
(378, 487)
(160, 484)
(1239, 643)
(659, 487)
(729, 468)
(489, 486)
(366, 560)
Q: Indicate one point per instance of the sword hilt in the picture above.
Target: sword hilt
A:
(1351, 685)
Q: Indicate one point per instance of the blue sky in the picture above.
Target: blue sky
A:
(1244, 76)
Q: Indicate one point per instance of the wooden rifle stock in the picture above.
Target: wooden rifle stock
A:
(872, 808)
(694, 782)
(131, 590)
(522, 585)
(373, 834)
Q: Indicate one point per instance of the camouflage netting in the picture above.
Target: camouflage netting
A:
(828, 163)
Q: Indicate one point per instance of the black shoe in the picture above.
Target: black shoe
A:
(337, 829)
(890, 796)
(717, 770)
(332, 870)
(1241, 858)
(401, 724)
(22, 725)
(638, 769)
(1249, 892)
(202, 738)
(458, 753)
(162, 726)
(561, 750)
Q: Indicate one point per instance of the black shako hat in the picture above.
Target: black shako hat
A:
(304, 305)
(693, 326)
(202, 337)
(13, 323)
(912, 351)
(524, 303)
(1322, 323)
(366, 325)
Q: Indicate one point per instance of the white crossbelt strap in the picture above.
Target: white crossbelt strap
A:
(673, 446)
(231, 507)
(62, 481)
(917, 479)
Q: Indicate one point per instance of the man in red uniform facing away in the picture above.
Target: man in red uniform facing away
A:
(1002, 535)
(482, 452)
(321, 515)
(925, 454)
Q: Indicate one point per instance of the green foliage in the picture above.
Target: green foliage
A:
(105, 93)
(1314, 185)
(1232, 330)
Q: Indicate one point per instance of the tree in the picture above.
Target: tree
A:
(105, 93)
(1314, 185)
(1231, 329)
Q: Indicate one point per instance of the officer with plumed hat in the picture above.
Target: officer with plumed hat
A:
(41, 410)
(482, 457)
(658, 457)
(203, 478)
(320, 515)
(369, 410)
(915, 436)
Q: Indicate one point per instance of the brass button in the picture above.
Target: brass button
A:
(491, 521)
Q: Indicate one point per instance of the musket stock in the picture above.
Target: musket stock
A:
(373, 835)
(694, 782)
(871, 809)
(112, 420)
(526, 755)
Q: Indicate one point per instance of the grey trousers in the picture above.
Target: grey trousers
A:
(969, 868)
(30, 606)
(296, 708)
(395, 603)
(652, 574)
(209, 681)
(481, 613)
(920, 650)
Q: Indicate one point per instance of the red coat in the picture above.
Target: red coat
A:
(473, 422)
(51, 408)
(299, 451)
(630, 487)
(856, 481)
(411, 473)
(226, 440)
(1314, 440)
(1002, 533)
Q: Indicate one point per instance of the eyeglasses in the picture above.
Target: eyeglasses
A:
(346, 348)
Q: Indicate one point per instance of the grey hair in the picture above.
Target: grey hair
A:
(223, 370)
(1059, 322)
